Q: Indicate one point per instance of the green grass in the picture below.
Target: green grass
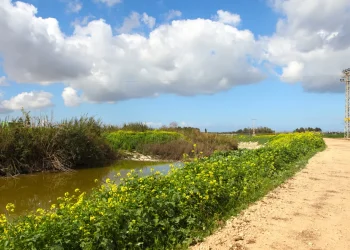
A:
(129, 140)
(261, 139)
(335, 136)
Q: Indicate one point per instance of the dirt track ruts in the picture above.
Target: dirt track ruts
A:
(309, 211)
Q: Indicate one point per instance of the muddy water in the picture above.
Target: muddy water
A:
(29, 192)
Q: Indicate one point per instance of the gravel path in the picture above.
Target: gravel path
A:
(309, 211)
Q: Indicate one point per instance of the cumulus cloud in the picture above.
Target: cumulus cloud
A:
(292, 72)
(27, 100)
(311, 48)
(70, 97)
(109, 3)
(186, 57)
(134, 20)
(74, 6)
(34, 49)
(227, 17)
(173, 14)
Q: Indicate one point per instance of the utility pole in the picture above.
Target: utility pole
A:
(346, 79)
(253, 127)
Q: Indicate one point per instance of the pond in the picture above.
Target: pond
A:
(29, 192)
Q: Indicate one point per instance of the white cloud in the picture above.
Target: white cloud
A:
(227, 18)
(292, 72)
(3, 81)
(81, 21)
(134, 20)
(109, 3)
(34, 49)
(319, 42)
(148, 20)
(131, 22)
(70, 97)
(186, 57)
(28, 100)
(173, 14)
(74, 6)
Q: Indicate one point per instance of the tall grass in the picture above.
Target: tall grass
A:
(31, 144)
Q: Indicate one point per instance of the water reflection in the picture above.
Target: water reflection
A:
(28, 192)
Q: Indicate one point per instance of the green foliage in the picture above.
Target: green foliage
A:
(136, 127)
(129, 140)
(301, 130)
(258, 130)
(333, 135)
(29, 145)
(261, 139)
(161, 211)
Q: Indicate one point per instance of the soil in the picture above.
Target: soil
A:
(248, 145)
(309, 211)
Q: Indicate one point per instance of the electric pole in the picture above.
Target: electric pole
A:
(253, 127)
(346, 79)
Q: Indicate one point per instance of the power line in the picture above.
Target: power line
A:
(346, 79)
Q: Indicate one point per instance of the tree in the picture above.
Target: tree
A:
(173, 125)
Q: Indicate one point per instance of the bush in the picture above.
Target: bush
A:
(71, 144)
(129, 140)
(170, 145)
(161, 212)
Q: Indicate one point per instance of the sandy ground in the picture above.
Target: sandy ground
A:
(309, 211)
(248, 145)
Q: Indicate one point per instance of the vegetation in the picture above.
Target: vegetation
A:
(161, 212)
(301, 130)
(35, 144)
(170, 145)
(129, 140)
(261, 139)
(333, 135)
(258, 130)
(30, 144)
(206, 145)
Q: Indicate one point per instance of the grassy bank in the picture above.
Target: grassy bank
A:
(170, 144)
(161, 212)
(32, 144)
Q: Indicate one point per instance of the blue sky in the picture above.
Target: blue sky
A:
(211, 64)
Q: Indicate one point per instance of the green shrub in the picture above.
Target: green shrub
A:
(129, 140)
(161, 212)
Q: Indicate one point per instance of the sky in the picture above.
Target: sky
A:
(206, 64)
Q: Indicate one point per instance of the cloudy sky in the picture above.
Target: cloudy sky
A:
(208, 64)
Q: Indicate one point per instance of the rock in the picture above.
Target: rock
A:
(238, 238)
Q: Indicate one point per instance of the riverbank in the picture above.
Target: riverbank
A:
(162, 211)
(33, 144)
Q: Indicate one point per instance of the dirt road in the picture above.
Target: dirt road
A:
(309, 211)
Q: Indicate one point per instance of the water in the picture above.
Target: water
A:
(29, 192)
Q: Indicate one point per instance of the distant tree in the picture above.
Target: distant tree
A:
(205, 131)
(173, 125)
(301, 130)
(258, 130)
